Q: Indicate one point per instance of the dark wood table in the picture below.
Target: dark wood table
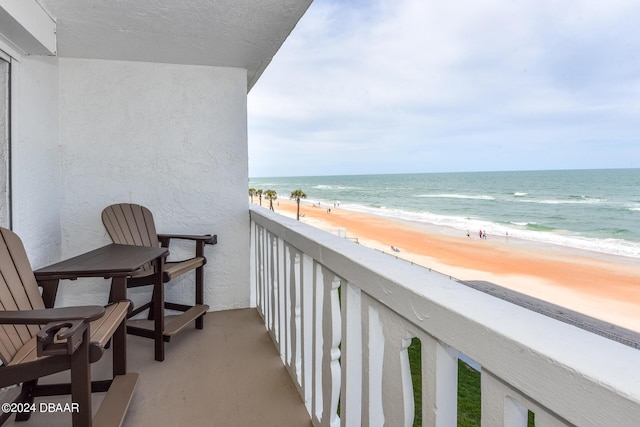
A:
(115, 262)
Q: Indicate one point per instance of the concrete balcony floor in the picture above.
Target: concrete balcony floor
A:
(228, 374)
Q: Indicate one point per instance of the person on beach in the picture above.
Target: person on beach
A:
(468, 235)
(480, 233)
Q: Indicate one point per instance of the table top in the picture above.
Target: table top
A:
(108, 261)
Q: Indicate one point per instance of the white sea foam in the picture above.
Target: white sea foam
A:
(514, 230)
(333, 187)
(519, 194)
(563, 201)
(456, 196)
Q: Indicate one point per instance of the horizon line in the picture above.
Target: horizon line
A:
(447, 172)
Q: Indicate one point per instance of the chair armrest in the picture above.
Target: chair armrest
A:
(208, 239)
(201, 240)
(86, 313)
(72, 334)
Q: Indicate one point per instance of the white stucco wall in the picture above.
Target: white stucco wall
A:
(36, 186)
(170, 137)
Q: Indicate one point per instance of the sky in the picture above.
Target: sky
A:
(408, 86)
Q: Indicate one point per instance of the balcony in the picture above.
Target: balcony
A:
(341, 317)
(228, 374)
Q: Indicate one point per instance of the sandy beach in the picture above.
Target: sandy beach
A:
(599, 285)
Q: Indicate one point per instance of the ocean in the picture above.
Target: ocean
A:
(597, 210)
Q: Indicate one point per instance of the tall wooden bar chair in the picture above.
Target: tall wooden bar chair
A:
(36, 341)
(132, 224)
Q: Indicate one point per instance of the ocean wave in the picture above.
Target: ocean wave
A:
(455, 196)
(534, 226)
(563, 201)
(613, 231)
(521, 230)
(333, 187)
(519, 194)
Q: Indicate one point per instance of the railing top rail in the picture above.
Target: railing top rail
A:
(555, 364)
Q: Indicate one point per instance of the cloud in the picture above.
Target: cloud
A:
(416, 85)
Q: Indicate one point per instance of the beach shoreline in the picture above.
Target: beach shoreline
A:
(600, 285)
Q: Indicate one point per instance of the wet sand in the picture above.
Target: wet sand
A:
(604, 286)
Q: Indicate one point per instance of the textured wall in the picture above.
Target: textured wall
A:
(170, 137)
(35, 158)
(4, 142)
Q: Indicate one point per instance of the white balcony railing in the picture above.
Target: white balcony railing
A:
(349, 347)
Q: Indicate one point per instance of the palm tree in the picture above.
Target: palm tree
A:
(252, 192)
(259, 194)
(270, 195)
(297, 195)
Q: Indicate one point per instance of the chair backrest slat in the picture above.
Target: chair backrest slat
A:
(18, 291)
(130, 224)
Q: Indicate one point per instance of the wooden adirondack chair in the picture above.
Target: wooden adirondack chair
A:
(132, 224)
(72, 338)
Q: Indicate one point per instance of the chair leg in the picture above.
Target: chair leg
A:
(200, 294)
(119, 355)
(150, 316)
(111, 296)
(81, 383)
(26, 396)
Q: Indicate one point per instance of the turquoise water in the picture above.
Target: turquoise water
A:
(588, 209)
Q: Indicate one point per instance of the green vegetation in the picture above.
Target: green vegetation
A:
(297, 195)
(415, 362)
(468, 395)
(270, 195)
(468, 389)
(469, 401)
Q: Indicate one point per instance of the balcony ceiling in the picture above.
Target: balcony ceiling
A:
(227, 33)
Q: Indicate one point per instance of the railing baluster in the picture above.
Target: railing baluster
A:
(263, 275)
(397, 391)
(390, 386)
(331, 334)
(272, 287)
(503, 405)
(307, 296)
(439, 382)
(293, 354)
(373, 408)
(281, 295)
(493, 394)
(351, 402)
(259, 266)
(515, 414)
(253, 263)
(316, 361)
(326, 351)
